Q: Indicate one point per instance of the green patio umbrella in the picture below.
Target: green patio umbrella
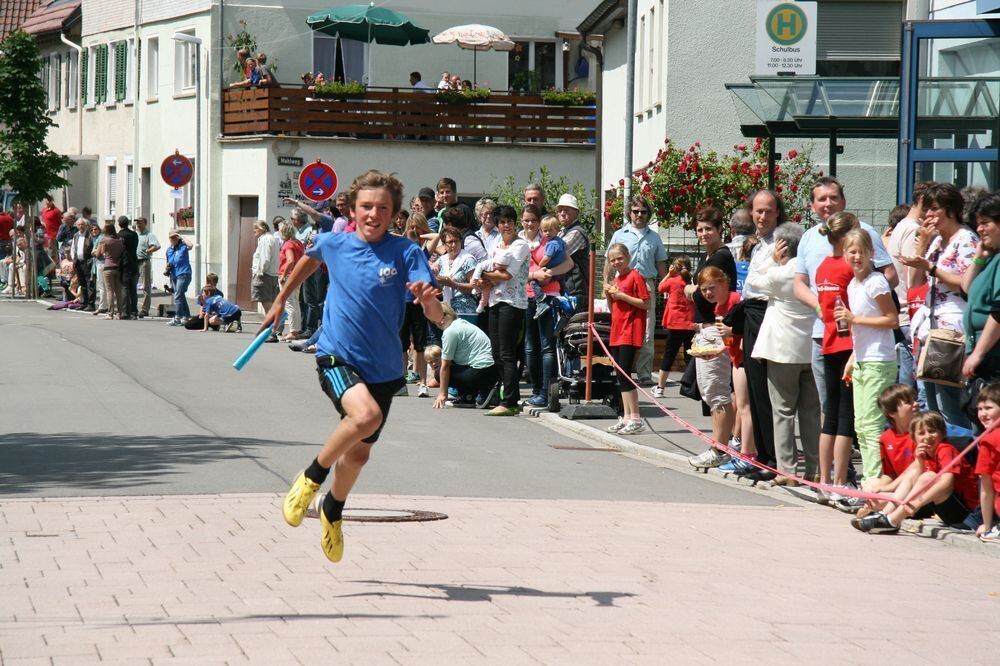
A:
(368, 23)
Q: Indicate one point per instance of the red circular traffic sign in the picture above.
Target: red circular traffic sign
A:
(318, 181)
(176, 170)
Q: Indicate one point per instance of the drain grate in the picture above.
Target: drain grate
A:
(361, 515)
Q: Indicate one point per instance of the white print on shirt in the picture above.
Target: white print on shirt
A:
(385, 275)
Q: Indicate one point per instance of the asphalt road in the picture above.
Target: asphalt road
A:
(96, 407)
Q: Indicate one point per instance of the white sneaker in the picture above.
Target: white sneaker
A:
(618, 426)
(713, 457)
(422, 391)
(632, 428)
(657, 391)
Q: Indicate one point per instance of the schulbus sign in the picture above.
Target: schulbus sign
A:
(786, 38)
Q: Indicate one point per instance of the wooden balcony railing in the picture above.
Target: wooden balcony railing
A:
(389, 113)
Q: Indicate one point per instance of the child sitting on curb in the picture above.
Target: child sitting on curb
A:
(952, 496)
(988, 462)
(899, 405)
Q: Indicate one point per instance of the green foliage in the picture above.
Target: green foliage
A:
(527, 81)
(680, 181)
(569, 97)
(511, 193)
(470, 96)
(338, 90)
(244, 40)
(26, 163)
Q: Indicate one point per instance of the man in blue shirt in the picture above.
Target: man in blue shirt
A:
(649, 258)
(358, 351)
(828, 198)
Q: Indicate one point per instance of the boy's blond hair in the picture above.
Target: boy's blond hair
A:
(432, 354)
(550, 222)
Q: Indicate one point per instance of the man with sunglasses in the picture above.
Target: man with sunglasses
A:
(649, 258)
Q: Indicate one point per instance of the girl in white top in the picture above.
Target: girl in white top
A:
(873, 366)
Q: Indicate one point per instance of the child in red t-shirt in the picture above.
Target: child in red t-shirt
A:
(952, 495)
(898, 404)
(628, 297)
(988, 462)
(678, 318)
(837, 435)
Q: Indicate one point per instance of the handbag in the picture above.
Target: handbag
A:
(942, 354)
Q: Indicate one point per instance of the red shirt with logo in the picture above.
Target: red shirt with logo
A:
(51, 218)
(988, 462)
(966, 485)
(628, 323)
(832, 278)
(897, 452)
(679, 313)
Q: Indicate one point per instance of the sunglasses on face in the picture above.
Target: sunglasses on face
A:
(637, 211)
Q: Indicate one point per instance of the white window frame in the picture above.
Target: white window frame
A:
(184, 65)
(152, 69)
(532, 41)
(129, 187)
(640, 78)
(110, 187)
(130, 72)
(72, 79)
(91, 77)
(109, 79)
(661, 55)
(651, 66)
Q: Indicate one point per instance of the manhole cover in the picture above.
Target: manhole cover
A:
(361, 515)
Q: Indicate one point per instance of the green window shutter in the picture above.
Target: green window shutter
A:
(101, 75)
(121, 70)
(83, 76)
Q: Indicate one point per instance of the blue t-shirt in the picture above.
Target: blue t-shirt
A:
(325, 223)
(365, 301)
(434, 223)
(220, 306)
(555, 250)
(742, 270)
(177, 257)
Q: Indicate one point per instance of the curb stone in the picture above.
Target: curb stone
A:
(926, 529)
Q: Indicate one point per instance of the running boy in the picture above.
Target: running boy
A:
(358, 352)
(988, 462)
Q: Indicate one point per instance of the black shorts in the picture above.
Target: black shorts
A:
(624, 356)
(336, 376)
(952, 511)
(414, 327)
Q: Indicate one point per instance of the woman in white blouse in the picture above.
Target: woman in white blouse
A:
(509, 300)
(785, 343)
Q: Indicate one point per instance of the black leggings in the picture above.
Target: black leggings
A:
(505, 334)
(469, 381)
(624, 356)
(838, 419)
(676, 341)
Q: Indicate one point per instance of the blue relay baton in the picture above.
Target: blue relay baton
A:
(255, 345)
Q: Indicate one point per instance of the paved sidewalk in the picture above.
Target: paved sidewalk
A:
(213, 579)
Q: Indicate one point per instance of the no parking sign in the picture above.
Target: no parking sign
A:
(318, 181)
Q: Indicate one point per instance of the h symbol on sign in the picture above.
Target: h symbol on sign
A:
(786, 23)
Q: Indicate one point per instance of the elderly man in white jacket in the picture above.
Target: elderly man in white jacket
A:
(785, 342)
(264, 267)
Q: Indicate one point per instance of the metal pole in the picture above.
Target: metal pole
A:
(833, 152)
(772, 158)
(196, 199)
(629, 102)
(590, 327)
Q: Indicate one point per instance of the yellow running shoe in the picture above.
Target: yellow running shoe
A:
(333, 538)
(297, 500)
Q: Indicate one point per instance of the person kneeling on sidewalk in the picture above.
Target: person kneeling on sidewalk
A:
(465, 360)
(217, 312)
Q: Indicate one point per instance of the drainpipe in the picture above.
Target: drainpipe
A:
(632, 19)
(79, 104)
(135, 112)
(598, 136)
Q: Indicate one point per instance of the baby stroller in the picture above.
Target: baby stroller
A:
(571, 359)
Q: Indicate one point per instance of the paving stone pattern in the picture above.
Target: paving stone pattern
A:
(221, 579)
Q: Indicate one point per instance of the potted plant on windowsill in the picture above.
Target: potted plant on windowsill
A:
(556, 97)
(338, 90)
(464, 96)
(184, 217)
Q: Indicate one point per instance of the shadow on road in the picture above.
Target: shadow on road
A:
(487, 592)
(33, 461)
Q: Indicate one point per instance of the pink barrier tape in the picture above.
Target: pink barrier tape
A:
(849, 492)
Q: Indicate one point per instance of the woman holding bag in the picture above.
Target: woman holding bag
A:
(942, 268)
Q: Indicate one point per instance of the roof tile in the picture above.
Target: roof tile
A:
(13, 13)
